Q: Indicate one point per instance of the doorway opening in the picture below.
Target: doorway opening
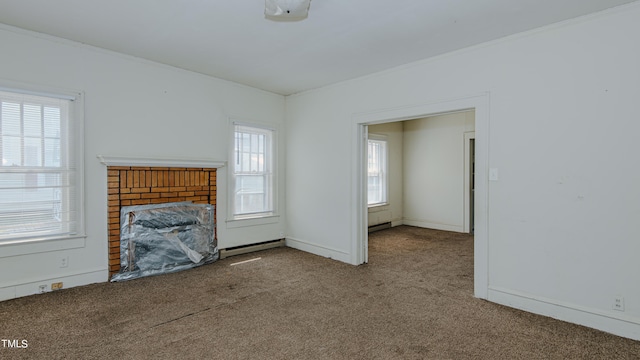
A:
(469, 180)
(361, 123)
(472, 146)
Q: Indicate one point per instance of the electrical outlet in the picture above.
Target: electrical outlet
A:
(618, 303)
(42, 289)
(64, 261)
(56, 286)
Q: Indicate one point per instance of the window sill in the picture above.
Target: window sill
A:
(34, 246)
(252, 221)
(378, 207)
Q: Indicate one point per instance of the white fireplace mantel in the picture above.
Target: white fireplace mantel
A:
(159, 162)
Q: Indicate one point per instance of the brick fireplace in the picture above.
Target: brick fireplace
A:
(142, 185)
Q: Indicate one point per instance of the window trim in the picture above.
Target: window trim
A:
(257, 218)
(385, 139)
(36, 244)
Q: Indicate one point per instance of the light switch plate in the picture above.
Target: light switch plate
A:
(493, 174)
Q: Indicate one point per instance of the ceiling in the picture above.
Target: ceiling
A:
(340, 40)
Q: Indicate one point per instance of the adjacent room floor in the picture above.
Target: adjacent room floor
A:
(413, 300)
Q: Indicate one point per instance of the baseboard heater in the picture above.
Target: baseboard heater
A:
(382, 226)
(239, 250)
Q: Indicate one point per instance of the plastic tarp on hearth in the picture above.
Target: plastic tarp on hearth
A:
(165, 238)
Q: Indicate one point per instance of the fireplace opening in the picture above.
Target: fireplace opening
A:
(131, 186)
(165, 238)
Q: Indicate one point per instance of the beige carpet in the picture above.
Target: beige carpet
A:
(412, 301)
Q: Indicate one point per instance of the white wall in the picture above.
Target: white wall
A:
(562, 219)
(434, 171)
(392, 212)
(132, 108)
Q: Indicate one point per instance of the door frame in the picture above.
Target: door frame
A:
(360, 122)
(468, 136)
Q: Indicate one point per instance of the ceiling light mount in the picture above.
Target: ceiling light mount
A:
(286, 10)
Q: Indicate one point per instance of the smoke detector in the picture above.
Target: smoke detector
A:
(286, 10)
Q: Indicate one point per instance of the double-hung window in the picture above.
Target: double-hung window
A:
(252, 172)
(377, 170)
(40, 184)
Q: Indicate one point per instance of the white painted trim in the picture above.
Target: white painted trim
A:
(383, 138)
(610, 322)
(359, 189)
(159, 162)
(38, 89)
(61, 275)
(275, 129)
(79, 149)
(255, 221)
(432, 225)
(319, 250)
(30, 287)
(379, 207)
(466, 219)
(76, 118)
(34, 246)
(360, 121)
(7, 293)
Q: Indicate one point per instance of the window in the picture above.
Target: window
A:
(40, 188)
(377, 170)
(252, 172)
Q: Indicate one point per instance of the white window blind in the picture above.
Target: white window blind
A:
(38, 192)
(252, 171)
(377, 172)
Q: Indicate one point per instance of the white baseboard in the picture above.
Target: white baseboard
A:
(7, 293)
(225, 253)
(318, 250)
(431, 225)
(68, 281)
(611, 322)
